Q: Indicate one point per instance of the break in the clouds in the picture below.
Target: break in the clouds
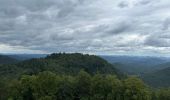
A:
(135, 27)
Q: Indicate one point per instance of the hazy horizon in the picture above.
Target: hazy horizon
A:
(111, 55)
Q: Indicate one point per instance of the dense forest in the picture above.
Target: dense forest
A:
(72, 77)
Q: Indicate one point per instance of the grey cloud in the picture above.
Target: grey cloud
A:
(166, 24)
(10, 12)
(158, 41)
(120, 27)
(126, 4)
(84, 25)
(145, 2)
(123, 4)
(6, 25)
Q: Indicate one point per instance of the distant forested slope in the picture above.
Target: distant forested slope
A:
(160, 78)
(22, 57)
(7, 60)
(136, 65)
(155, 71)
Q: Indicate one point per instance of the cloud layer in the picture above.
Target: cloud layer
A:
(135, 27)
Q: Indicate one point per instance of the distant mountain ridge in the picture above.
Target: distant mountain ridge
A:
(135, 65)
(155, 71)
(22, 57)
(7, 60)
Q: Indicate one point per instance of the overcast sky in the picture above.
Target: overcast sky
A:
(125, 27)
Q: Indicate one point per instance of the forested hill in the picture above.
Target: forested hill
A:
(60, 77)
(7, 60)
(155, 71)
(137, 65)
(160, 78)
(59, 63)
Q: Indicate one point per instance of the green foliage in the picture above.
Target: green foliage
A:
(163, 94)
(134, 89)
(106, 87)
(83, 86)
(3, 89)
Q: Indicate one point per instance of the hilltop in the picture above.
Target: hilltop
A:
(60, 63)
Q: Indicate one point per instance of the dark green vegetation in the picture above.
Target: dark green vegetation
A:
(22, 57)
(59, 63)
(72, 77)
(83, 86)
(160, 78)
(7, 60)
(155, 71)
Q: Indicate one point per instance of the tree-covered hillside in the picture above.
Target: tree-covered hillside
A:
(22, 57)
(137, 65)
(160, 78)
(7, 60)
(72, 77)
(155, 71)
(61, 64)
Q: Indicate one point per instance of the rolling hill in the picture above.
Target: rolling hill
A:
(162, 66)
(155, 71)
(61, 64)
(160, 78)
(136, 65)
(7, 60)
(22, 57)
